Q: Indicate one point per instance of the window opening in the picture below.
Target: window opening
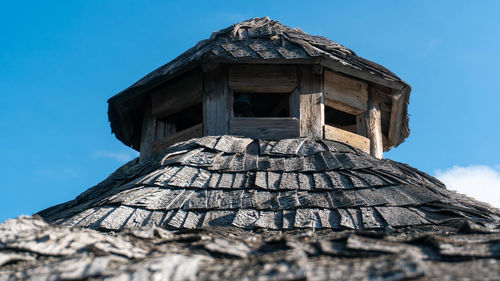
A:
(179, 121)
(261, 104)
(340, 119)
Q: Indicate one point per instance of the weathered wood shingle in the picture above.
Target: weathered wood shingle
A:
(333, 187)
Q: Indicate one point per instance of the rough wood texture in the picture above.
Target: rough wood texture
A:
(31, 249)
(248, 40)
(187, 134)
(285, 184)
(216, 103)
(346, 94)
(226, 208)
(164, 128)
(256, 41)
(263, 78)
(374, 126)
(148, 133)
(336, 134)
(265, 128)
(396, 121)
(312, 117)
(178, 95)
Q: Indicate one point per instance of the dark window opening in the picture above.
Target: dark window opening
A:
(180, 121)
(340, 119)
(261, 104)
(188, 117)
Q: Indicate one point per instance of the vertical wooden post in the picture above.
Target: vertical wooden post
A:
(216, 102)
(395, 122)
(147, 134)
(312, 108)
(374, 125)
(361, 124)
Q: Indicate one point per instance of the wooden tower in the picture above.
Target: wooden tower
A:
(261, 79)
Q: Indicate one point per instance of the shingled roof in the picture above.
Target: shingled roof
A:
(289, 184)
(221, 208)
(256, 41)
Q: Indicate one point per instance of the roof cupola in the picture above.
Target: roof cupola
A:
(261, 79)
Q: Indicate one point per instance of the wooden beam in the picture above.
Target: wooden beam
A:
(396, 118)
(147, 133)
(178, 95)
(337, 134)
(265, 128)
(312, 107)
(216, 102)
(350, 94)
(374, 126)
(161, 145)
(262, 78)
(342, 106)
(362, 74)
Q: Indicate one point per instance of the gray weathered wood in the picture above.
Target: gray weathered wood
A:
(344, 136)
(178, 95)
(263, 78)
(264, 128)
(345, 93)
(311, 104)
(396, 119)
(216, 102)
(374, 126)
(147, 133)
(161, 145)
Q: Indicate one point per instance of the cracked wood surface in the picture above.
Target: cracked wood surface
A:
(256, 184)
(226, 208)
(31, 249)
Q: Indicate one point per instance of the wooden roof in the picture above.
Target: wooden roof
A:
(226, 208)
(254, 184)
(258, 40)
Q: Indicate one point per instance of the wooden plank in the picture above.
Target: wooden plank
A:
(164, 128)
(147, 133)
(187, 134)
(344, 136)
(349, 95)
(374, 126)
(312, 117)
(362, 74)
(263, 78)
(178, 95)
(342, 106)
(216, 102)
(265, 128)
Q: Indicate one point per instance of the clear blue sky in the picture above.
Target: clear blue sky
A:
(59, 64)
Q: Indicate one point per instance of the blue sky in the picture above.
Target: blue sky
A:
(59, 64)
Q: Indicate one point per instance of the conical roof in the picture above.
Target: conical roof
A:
(226, 208)
(275, 185)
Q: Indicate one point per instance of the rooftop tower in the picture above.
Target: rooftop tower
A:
(261, 79)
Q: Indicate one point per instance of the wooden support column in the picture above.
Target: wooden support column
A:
(312, 107)
(374, 125)
(396, 118)
(216, 102)
(148, 133)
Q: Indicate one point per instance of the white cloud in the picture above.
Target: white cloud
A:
(118, 156)
(430, 45)
(56, 172)
(480, 182)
